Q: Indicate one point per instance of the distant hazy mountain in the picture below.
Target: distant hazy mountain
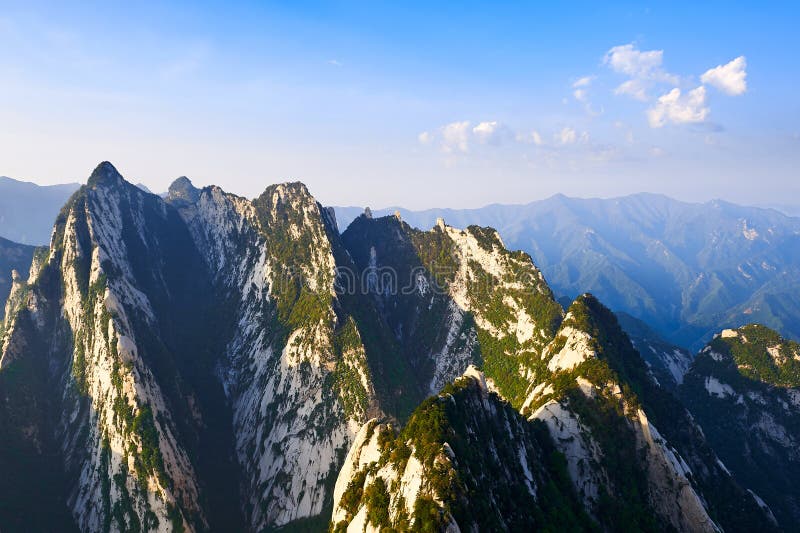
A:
(687, 269)
(27, 210)
(786, 209)
(13, 256)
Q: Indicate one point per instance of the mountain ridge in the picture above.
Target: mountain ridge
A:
(217, 359)
(686, 269)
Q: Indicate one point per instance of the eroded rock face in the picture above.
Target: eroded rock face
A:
(294, 372)
(621, 433)
(90, 316)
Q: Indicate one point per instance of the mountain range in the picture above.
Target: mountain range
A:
(28, 210)
(207, 362)
(684, 269)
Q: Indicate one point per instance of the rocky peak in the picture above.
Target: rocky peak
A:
(757, 353)
(105, 174)
(181, 191)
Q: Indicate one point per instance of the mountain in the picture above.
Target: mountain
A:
(636, 457)
(685, 269)
(13, 257)
(744, 390)
(454, 297)
(206, 362)
(465, 461)
(578, 374)
(213, 366)
(27, 210)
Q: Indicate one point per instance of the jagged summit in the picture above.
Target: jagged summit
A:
(105, 174)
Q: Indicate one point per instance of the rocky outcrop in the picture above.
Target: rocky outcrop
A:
(744, 390)
(466, 461)
(635, 456)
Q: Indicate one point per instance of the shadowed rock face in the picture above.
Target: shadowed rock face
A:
(744, 389)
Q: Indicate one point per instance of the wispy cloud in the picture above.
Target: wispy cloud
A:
(581, 88)
(335, 62)
(644, 68)
(492, 132)
(460, 136)
(569, 135)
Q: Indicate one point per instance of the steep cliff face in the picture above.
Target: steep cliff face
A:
(744, 390)
(210, 378)
(636, 457)
(294, 371)
(465, 461)
(93, 313)
(455, 297)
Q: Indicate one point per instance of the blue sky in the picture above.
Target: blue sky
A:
(421, 104)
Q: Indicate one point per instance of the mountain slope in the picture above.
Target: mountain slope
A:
(293, 368)
(465, 461)
(744, 390)
(686, 269)
(454, 297)
(212, 365)
(27, 210)
(602, 407)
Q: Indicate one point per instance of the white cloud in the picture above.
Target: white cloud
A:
(626, 59)
(581, 87)
(334, 63)
(425, 137)
(729, 78)
(634, 88)
(643, 67)
(570, 136)
(492, 132)
(455, 136)
(567, 136)
(679, 109)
